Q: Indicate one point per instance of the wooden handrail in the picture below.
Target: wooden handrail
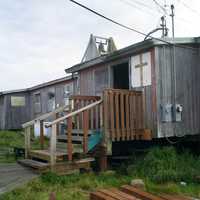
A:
(45, 116)
(74, 113)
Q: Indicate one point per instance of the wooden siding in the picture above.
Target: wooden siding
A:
(93, 80)
(13, 117)
(187, 90)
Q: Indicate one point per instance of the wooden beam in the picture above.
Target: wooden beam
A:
(41, 134)
(27, 141)
(53, 147)
(85, 130)
(74, 113)
(45, 116)
(69, 138)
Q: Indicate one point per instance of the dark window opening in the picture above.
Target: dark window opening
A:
(121, 76)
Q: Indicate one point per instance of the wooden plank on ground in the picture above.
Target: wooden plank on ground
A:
(100, 196)
(139, 193)
(122, 194)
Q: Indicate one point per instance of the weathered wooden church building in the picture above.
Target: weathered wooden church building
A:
(166, 72)
(149, 90)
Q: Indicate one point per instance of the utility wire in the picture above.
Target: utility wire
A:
(132, 4)
(189, 7)
(127, 27)
(160, 6)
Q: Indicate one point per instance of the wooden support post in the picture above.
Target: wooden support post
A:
(57, 125)
(85, 130)
(69, 138)
(103, 158)
(41, 134)
(27, 141)
(53, 146)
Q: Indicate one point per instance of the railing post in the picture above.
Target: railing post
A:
(53, 146)
(85, 130)
(57, 125)
(41, 134)
(69, 138)
(27, 141)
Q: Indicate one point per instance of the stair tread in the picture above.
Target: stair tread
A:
(33, 163)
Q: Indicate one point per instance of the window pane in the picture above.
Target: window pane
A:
(17, 101)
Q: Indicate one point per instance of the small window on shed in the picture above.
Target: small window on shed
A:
(51, 100)
(18, 101)
(37, 103)
(68, 91)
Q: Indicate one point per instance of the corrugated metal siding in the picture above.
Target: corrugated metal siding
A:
(187, 87)
(1, 111)
(15, 116)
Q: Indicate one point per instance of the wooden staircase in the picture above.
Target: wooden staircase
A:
(90, 121)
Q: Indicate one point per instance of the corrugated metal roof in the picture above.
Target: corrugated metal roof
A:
(130, 49)
(49, 83)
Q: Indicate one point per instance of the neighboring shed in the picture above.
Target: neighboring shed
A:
(14, 109)
(167, 75)
(20, 106)
(48, 96)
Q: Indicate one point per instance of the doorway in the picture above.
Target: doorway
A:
(121, 76)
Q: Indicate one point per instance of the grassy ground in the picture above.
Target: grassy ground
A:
(9, 140)
(162, 169)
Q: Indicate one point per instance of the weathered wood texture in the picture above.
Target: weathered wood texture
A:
(128, 192)
(187, 89)
(124, 113)
(12, 117)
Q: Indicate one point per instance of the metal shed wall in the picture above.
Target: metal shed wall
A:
(2, 112)
(15, 116)
(187, 89)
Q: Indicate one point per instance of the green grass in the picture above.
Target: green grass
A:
(8, 140)
(11, 139)
(71, 187)
(162, 169)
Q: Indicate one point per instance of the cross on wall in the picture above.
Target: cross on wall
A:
(141, 70)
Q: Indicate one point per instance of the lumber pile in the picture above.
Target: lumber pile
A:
(128, 192)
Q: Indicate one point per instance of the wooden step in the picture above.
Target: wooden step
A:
(75, 139)
(45, 154)
(34, 164)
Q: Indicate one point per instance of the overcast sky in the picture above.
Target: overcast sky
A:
(40, 38)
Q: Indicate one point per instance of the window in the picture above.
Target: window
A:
(68, 91)
(141, 70)
(37, 103)
(18, 101)
(51, 100)
(101, 80)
